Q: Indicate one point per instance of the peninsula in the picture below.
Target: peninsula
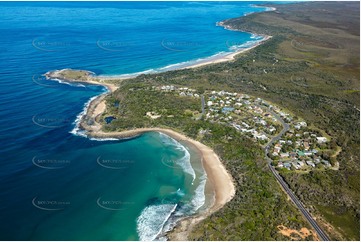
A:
(307, 75)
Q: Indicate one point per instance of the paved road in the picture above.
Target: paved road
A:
(203, 104)
(280, 180)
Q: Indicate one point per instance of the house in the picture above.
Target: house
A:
(303, 124)
(272, 129)
(238, 104)
(244, 96)
(285, 155)
(287, 165)
(300, 153)
(227, 109)
(310, 163)
(245, 125)
(280, 164)
(326, 163)
(277, 149)
(264, 123)
(295, 165)
(321, 140)
(261, 137)
(308, 153)
(221, 93)
(292, 155)
(306, 145)
(300, 163)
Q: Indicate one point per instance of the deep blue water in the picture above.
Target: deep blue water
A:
(56, 185)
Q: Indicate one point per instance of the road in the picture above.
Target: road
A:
(284, 185)
(203, 104)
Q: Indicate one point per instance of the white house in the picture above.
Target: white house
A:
(321, 140)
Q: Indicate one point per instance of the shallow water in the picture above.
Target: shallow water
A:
(59, 186)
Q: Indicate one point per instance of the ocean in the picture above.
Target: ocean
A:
(58, 185)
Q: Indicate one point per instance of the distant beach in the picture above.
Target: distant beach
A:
(217, 58)
(114, 51)
(219, 179)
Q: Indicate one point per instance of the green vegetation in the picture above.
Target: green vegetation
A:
(311, 68)
(70, 75)
(136, 99)
(259, 205)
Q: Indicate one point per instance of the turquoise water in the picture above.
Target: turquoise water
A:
(57, 185)
(99, 190)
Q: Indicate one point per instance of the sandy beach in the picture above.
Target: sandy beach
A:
(229, 57)
(217, 59)
(219, 179)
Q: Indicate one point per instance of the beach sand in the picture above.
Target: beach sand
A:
(219, 179)
(229, 57)
(218, 59)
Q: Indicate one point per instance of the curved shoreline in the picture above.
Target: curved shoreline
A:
(214, 59)
(219, 178)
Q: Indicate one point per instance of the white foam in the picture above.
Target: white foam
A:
(76, 130)
(199, 197)
(129, 75)
(73, 84)
(152, 219)
(256, 36)
(104, 139)
(185, 161)
(247, 44)
(189, 63)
